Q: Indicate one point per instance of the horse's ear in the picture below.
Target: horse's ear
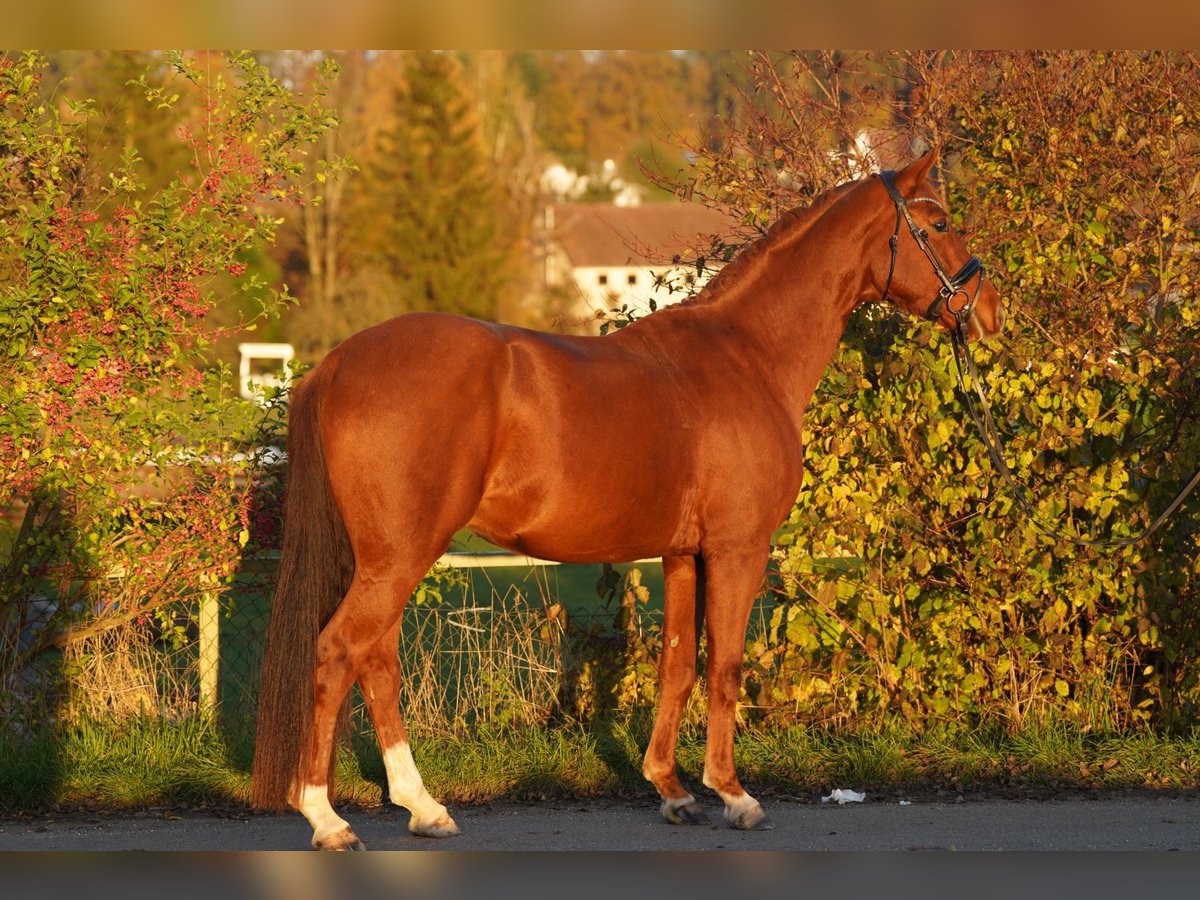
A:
(919, 169)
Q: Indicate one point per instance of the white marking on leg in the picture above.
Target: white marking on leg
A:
(314, 805)
(676, 802)
(406, 789)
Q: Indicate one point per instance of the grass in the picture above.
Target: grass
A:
(483, 682)
(145, 762)
(133, 763)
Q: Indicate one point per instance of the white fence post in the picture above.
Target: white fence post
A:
(210, 648)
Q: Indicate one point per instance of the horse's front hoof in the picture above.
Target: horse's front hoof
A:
(688, 813)
(748, 817)
(443, 827)
(762, 823)
(339, 840)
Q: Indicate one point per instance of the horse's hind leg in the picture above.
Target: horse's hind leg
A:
(379, 681)
(370, 610)
(683, 610)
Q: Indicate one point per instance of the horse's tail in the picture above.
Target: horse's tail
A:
(316, 566)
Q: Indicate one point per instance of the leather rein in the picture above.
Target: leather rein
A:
(964, 365)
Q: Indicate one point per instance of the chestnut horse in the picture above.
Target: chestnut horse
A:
(415, 428)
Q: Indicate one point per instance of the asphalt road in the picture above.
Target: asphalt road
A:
(1144, 822)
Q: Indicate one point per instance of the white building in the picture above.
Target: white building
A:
(607, 256)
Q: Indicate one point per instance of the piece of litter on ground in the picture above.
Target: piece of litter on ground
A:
(842, 796)
(906, 803)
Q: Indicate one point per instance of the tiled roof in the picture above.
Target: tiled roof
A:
(598, 234)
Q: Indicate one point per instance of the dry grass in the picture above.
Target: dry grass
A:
(121, 673)
(495, 663)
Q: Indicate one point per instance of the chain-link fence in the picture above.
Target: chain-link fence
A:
(488, 638)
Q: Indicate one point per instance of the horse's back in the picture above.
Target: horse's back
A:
(593, 457)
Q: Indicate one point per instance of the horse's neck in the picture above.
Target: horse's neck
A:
(792, 310)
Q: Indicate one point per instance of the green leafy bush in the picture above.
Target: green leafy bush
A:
(910, 587)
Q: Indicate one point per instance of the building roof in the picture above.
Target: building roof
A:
(599, 234)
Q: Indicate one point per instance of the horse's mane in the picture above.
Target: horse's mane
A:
(790, 226)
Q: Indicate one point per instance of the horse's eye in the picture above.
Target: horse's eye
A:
(941, 225)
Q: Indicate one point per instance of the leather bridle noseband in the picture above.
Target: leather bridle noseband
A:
(952, 285)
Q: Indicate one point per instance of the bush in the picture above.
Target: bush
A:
(127, 455)
(911, 588)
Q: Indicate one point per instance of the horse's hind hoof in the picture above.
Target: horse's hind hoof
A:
(341, 840)
(687, 814)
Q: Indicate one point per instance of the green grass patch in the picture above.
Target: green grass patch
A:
(133, 763)
(149, 762)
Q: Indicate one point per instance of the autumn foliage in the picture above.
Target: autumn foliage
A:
(911, 586)
(125, 452)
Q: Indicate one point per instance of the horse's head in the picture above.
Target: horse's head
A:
(925, 268)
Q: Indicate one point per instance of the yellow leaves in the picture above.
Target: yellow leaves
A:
(1087, 400)
(1000, 613)
(940, 434)
(920, 561)
(839, 492)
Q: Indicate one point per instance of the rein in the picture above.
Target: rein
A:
(964, 364)
(985, 424)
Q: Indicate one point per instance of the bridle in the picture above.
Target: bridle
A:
(952, 286)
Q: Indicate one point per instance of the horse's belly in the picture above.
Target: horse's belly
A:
(592, 458)
(554, 547)
(610, 526)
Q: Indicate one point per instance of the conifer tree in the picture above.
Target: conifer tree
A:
(429, 218)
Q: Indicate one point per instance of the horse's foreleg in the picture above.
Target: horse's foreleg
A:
(733, 580)
(683, 610)
(379, 681)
